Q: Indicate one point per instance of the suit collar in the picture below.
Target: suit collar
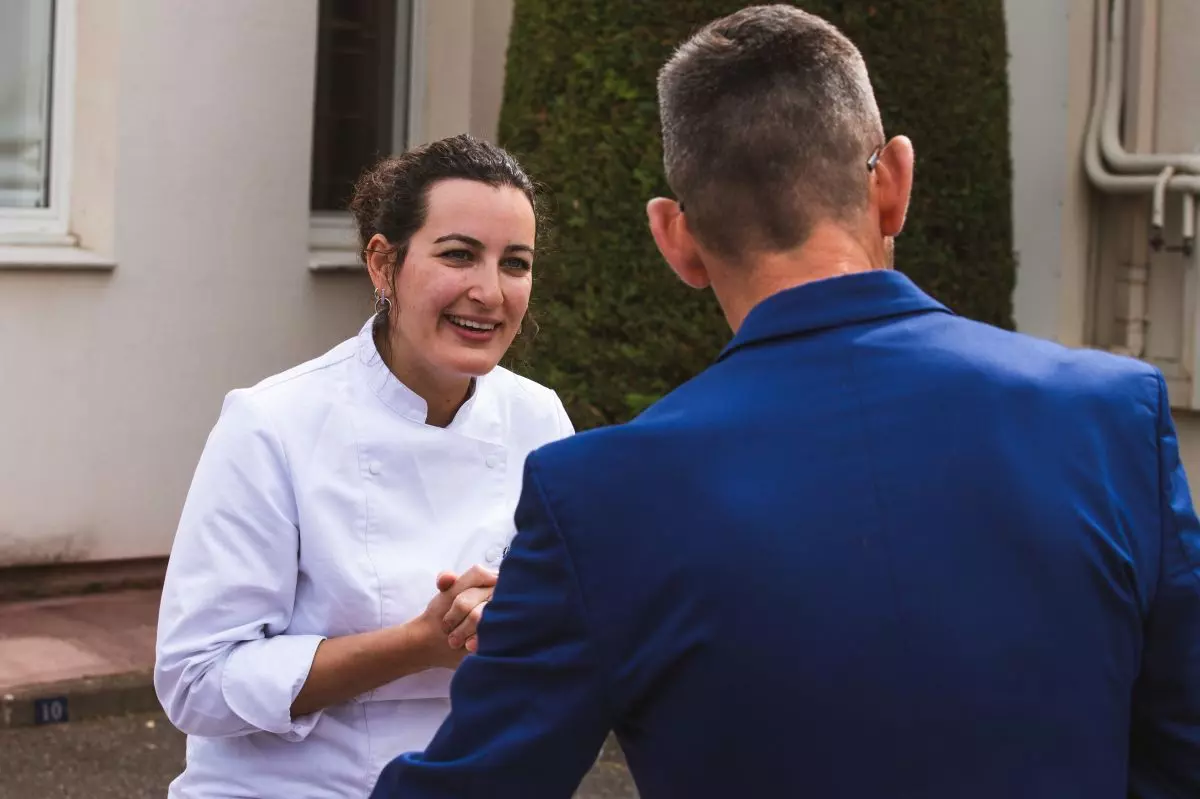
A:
(834, 302)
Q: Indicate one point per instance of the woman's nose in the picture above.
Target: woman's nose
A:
(485, 289)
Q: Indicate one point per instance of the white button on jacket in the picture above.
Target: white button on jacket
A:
(323, 506)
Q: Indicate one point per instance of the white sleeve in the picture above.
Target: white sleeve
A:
(225, 664)
(565, 428)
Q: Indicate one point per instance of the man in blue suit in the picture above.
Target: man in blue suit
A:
(876, 550)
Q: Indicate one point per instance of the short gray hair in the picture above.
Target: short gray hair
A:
(768, 121)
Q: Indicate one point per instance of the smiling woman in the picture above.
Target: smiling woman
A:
(347, 518)
(453, 310)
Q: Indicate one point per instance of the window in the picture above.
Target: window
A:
(36, 59)
(361, 110)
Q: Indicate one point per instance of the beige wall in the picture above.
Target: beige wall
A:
(192, 156)
(1038, 79)
(193, 137)
(463, 81)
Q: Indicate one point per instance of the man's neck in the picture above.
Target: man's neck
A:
(829, 252)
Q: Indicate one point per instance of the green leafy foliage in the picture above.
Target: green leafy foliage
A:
(617, 329)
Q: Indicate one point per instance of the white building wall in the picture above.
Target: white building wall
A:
(191, 172)
(1037, 35)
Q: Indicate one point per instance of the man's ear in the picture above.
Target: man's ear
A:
(894, 180)
(675, 241)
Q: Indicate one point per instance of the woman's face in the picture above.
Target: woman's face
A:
(464, 285)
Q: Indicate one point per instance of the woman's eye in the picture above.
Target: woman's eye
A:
(459, 255)
(517, 264)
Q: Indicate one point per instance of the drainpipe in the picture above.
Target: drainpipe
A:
(1110, 138)
(1106, 96)
(1157, 241)
(1097, 171)
(1103, 137)
(1189, 226)
(1157, 212)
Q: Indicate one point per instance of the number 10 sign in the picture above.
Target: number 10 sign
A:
(50, 710)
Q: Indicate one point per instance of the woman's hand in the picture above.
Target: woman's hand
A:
(452, 616)
(442, 635)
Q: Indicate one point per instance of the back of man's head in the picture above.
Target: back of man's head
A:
(768, 122)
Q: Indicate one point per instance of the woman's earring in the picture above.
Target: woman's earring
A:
(382, 304)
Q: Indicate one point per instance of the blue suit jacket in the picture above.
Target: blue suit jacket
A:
(876, 550)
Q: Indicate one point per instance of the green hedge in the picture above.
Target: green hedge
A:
(617, 328)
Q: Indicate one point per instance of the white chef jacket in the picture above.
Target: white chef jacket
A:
(322, 506)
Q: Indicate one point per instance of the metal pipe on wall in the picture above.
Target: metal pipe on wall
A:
(1112, 147)
(1094, 165)
(1102, 129)
(1158, 209)
(1189, 223)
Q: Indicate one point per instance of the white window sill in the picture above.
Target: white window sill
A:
(52, 258)
(334, 261)
(333, 243)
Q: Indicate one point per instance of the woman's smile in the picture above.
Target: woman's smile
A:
(473, 328)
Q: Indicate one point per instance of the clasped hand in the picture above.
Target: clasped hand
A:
(452, 616)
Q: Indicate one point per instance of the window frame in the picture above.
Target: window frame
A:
(51, 225)
(332, 237)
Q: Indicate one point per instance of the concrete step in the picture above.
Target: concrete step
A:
(44, 581)
(77, 657)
